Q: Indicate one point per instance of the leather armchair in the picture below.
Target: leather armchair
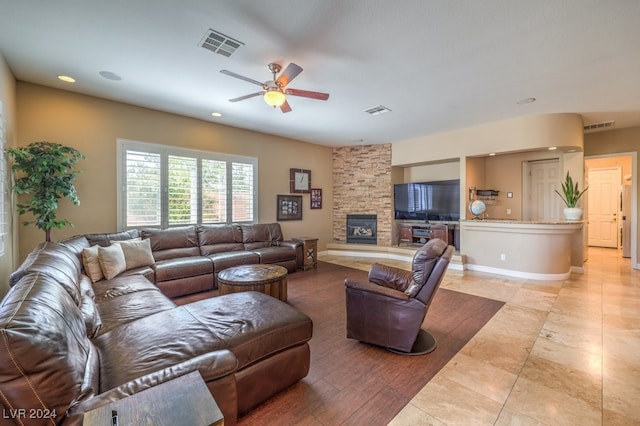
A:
(390, 308)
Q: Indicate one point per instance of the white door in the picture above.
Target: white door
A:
(603, 206)
(544, 203)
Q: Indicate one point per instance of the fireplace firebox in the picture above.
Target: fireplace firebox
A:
(362, 228)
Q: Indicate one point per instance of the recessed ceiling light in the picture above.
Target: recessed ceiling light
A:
(66, 79)
(216, 114)
(492, 154)
(526, 101)
(110, 75)
(553, 148)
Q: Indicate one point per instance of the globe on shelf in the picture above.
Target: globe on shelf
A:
(477, 208)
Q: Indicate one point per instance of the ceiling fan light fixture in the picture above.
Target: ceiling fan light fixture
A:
(274, 97)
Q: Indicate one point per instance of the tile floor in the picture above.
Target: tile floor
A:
(557, 353)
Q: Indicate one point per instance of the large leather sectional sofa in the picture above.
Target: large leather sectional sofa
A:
(69, 345)
(188, 258)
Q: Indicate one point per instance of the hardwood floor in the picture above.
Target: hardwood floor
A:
(355, 383)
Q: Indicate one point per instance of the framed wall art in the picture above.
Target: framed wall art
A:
(299, 181)
(289, 207)
(316, 198)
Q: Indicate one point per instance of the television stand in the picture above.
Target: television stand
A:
(419, 233)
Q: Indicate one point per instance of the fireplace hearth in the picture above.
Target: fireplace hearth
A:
(362, 228)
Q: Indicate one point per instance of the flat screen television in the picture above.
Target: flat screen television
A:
(437, 200)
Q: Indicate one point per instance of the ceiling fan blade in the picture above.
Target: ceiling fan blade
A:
(285, 107)
(241, 77)
(251, 95)
(308, 94)
(289, 74)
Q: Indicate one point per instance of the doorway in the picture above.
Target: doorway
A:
(541, 179)
(604, 206)
(625, 229)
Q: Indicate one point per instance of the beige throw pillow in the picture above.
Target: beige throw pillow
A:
(92, 263)
(112, 260)
(137, 253)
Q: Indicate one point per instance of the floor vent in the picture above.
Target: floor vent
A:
(377, 110)
(220, 43)
(598, 126)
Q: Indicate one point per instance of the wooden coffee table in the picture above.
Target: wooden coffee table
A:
(267, 279)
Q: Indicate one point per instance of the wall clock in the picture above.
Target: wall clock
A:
(299, 180)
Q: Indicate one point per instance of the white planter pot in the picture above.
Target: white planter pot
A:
(572, 213)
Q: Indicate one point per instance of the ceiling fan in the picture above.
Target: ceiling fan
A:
(274, 91)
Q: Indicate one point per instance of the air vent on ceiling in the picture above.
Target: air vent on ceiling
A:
(598, 126)
(377, 110)
(220, 43)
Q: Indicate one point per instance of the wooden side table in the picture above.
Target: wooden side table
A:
(309, 252)
(185, 400)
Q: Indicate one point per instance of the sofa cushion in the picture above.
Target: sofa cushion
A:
(219, 238)
(183, 267)
(171, 243)
(55, 261)
(105, 239)
(223, 261)
(252, 325)
(112, 261)
(261, 235)
(91, 262)
(275, 254)
(127, 298)
(76, 244)
(46, 359)
(137, 253)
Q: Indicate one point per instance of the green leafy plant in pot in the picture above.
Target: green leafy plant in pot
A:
(45, 171)
(571, 195)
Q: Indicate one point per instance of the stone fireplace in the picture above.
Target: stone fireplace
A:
(362, 229)
(362, 182)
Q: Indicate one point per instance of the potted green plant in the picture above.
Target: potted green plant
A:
(46, 171)
(571, 195)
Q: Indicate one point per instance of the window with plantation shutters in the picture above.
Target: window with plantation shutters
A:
(142, 189)
(214, 191)
(167, 186)
(182, 190)
(242, 192)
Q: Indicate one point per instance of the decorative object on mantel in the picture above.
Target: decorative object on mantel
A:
(571, 195)
(289, 207)
(299, 181)
(316, 198)
(46, 171)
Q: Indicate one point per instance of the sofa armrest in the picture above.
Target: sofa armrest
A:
(375, 289)
(290, 243)
(212, 366)
(297, 246)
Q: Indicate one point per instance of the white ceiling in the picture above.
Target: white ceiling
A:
(438, 65)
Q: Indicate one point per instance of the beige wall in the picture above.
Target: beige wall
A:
(93, 125)
(528, 133)
(7, 98)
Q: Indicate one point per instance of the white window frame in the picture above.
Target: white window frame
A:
(124, 145)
